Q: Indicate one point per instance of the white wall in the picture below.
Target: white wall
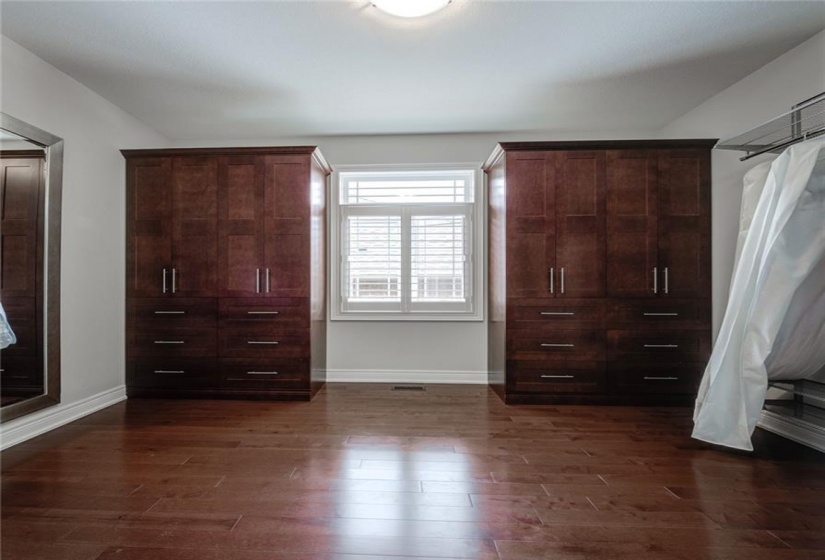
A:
(769, 92)
(93, 251)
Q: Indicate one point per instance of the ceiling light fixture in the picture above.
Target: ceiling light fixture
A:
(410, 8)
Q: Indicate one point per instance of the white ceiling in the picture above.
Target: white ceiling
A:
(223, 70)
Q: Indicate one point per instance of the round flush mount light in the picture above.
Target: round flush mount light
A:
(410, 8)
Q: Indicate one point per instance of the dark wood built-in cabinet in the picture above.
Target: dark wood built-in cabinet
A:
(22, 188)
(226, 265)
(599, 270)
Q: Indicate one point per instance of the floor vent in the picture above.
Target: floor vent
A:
(408, 388)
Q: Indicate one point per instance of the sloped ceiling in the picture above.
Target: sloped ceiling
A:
(220, 70)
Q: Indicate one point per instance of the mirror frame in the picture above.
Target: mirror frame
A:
(54, 196)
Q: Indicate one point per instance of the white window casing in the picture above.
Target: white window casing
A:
(404, 243)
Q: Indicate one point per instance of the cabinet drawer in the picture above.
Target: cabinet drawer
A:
(20, 371)
(556, 344)
(21, 315)
(181, 342)
(173, 312)
(629, 377)
(555, 377)
(290, 375)
(171, 373)
(289, 312)
(571, 314)
(659, 314)
(263, 342)
(659, 346)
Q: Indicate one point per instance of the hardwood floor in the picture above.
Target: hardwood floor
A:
(366, 473)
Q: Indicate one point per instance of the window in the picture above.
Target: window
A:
(405, 244)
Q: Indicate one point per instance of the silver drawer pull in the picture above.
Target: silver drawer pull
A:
(558, 376)
(661, 346)
(262, 342)
(170, 312)
(551, 345)
(661, 378)
(262, 373)
(661, 314)
(169, 341)
(263, 312)
(555, 313)
(169, 371)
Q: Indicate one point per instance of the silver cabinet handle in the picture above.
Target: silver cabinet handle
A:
(169, 371)
(170, 312)
(174, 280)
(551, 345)
(661, 314)
(558, 376)
(666, 282)
(170, 341)
(661, 346)
(552, 278)
(556, 313)
(267, 281)
(263, 312)
(262, 373)
(257, 280)
(655, 280)
(562, 279)
(164, 280)
(273, 342)
(653, 378)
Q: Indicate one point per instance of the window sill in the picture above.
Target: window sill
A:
(406, 317)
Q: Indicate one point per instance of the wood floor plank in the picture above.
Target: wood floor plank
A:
(365, 473)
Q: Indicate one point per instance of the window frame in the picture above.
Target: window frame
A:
(340, 311)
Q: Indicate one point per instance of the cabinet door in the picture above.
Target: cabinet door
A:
(286, 226)
(632, 223)
(241, 226)
(684, 223)
(20, 180)
(531, 224)
(149, 227)
(580, 224)
(194, 226)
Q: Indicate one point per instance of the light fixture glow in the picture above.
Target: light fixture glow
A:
(410, 8)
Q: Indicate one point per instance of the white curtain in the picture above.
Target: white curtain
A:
(774, 325)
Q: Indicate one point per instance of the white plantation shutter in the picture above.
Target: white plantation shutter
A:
(406, 242)
(372, 261)
(439, 262)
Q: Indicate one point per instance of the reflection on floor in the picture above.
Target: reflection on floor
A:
(363, 472)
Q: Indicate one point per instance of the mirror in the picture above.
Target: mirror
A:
(31, 161)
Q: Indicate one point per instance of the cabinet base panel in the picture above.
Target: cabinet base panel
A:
(609, 400)
(256, 395)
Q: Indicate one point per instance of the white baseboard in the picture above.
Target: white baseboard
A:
(793, 429)
(37, 423)
(405, 376)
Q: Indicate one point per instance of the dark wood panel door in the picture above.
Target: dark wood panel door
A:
(684, 223)
(632, 223)
(580, 224)
(149, 227)
(286, 227)
(531, 224)
(20, 191)
(194, 226)
(241, 226)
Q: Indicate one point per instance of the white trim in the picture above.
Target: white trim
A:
(406, 376)
(477, 262)
(38, 423)
(793, 429)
